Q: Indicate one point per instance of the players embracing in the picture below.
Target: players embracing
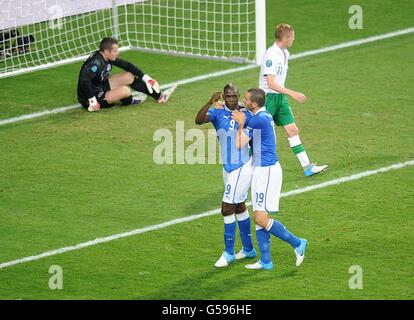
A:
(237, 128)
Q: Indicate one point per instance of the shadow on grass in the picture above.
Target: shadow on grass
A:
(203, 204)
(227, 283)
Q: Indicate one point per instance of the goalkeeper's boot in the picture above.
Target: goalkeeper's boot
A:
(135, 102)
(165, 95)
(259, 265)
(300, 251)
(313, 169)
(225, 260)
(246, 254)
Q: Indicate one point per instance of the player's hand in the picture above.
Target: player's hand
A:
(217, 100)
(93, 105)
(300, 97)
(215, 97)
(152, 85)
(238, 116)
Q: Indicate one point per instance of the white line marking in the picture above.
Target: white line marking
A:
(37, 114)
(201, 215)
(352, 43)
(229, 71)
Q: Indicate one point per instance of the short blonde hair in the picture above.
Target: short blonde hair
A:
(283, 30)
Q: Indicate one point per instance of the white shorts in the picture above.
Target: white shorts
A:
(237, 183)
(266, 188)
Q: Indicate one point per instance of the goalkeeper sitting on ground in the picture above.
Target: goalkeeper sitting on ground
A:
(97, 88)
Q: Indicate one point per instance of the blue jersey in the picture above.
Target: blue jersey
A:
(261, 129)
(232, 157)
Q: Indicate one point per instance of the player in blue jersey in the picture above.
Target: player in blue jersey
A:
(267, 178)
(237, 173)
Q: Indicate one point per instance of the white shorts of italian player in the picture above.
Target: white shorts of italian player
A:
(237, 183)
(266, 188)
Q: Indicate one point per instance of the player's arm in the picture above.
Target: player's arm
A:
(242, 139)
(128, 66)
(89, 72)
(272, 84)
(152, 84)
(202, 115)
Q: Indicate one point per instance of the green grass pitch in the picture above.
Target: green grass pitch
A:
(73, 177)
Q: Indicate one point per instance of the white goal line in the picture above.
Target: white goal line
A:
(228, 71)
(199, 216)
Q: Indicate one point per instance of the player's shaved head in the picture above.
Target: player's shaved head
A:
(231, 96)
(232, 87)
(258, 96)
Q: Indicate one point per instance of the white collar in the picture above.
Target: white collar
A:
(260, 110)
(279, 48)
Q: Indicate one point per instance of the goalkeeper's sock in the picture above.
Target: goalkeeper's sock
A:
(127, 101)
(243, 220)
(263, 241)
(299, 150)
(229, 233)
(280, 231)
(140, 86)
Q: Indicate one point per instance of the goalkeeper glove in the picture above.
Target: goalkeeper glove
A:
(93, 105)
(152, 85)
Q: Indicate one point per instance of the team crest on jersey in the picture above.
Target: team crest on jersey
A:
(108, 67)
(268, 63)
(94, 68)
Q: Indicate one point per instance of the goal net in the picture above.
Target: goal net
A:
(38, 34)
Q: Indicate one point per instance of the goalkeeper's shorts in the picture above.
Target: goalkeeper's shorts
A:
(99, 93)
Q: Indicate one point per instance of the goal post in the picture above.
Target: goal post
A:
(260, 21)
(40, 34)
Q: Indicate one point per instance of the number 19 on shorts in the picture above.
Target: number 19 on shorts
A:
(259, 198)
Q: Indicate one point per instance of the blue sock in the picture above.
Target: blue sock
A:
(280, 231)
(229, 233)
(263, 240)
(243, 220)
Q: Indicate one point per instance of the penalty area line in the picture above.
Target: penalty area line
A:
(201, 215)
(339, 46)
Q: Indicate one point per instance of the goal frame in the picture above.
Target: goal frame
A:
(260, 44)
